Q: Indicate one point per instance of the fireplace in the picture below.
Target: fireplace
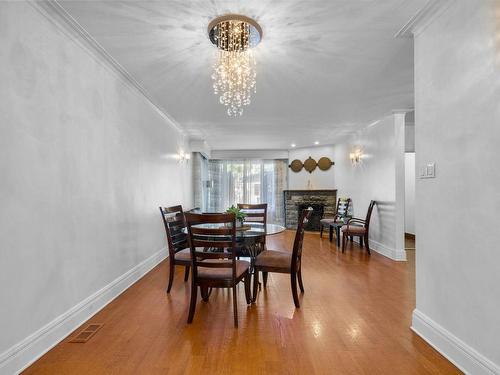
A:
(323, 202)
(313, 223)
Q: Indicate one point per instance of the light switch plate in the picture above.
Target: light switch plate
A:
(431, 170)
(428, 170)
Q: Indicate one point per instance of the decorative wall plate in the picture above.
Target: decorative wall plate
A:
(310, 164)
(296, 165)
(325, 163)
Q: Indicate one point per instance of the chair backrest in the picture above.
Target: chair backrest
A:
(174, 222)
(255, 212)
(369, 214)
(204, 239)
(299, 236)
(343, 206)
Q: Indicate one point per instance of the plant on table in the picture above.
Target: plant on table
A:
(240, 215)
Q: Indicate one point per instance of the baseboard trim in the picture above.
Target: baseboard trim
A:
(397, 255)
(455, 350)
(394, 254)
(24, 353)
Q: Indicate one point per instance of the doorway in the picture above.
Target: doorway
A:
(409, 200)
(410, 175)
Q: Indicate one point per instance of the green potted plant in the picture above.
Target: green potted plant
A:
(240, 215)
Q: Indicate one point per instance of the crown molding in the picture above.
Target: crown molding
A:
(431, 10)
(56, 13)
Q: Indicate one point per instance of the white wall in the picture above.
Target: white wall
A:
(85, 161)
(457, 102)
(410, 192)
(373, 178)
(319, 179)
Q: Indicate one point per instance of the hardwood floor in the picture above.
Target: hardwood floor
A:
(354, 319)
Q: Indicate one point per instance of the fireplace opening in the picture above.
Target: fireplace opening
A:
(314, 222)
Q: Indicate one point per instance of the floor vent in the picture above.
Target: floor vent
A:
(86, 334)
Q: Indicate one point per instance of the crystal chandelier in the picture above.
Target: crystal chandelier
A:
(234, 73)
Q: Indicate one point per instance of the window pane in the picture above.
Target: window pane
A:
(248, 181)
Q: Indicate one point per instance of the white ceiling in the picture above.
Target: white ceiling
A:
(325, 67)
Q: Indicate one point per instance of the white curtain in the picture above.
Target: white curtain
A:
(248, 181)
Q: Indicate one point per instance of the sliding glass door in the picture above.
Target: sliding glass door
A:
(247, 181)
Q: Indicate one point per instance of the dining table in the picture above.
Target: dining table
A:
(251, 237)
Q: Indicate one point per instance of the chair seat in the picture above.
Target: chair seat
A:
(222, 273)
(354, 229)
(327, 221)
(184, 254)
(274, 259)
(332, 222)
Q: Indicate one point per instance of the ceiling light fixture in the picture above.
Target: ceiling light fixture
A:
(293, 145)
(234, 72)
(316, 143)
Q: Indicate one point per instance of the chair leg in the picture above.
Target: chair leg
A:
(330, 234)
(255, 284)
(361, 241)
(344, 239)
(235, 307)
(171, 275)
(248, 294)
(366, 243)
(293, 280)
(186, 273)
(321, 231)
(337, 233)
(192, 304)
(264, 277)
(204, 293)
(301, 285)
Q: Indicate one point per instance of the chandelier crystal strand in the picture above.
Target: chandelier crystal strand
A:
(234, 80)
(234, 73)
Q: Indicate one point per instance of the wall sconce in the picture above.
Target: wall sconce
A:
(355, 157)
(182, 157)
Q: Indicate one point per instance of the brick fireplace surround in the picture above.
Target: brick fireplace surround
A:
(293, 199)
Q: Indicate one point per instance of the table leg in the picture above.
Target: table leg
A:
(252, 250)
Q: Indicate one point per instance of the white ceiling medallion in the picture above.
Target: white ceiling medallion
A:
(234, 72)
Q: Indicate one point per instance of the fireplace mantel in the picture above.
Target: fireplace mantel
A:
(293, 199)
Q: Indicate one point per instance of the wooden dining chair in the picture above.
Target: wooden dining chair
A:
(254, 212)
(356, 227)
(215, 269)
(178, 248)
(284, 261)
(341, 212)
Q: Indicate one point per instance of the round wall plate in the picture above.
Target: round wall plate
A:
(325, 163)
(296, 165)
(310, 164)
